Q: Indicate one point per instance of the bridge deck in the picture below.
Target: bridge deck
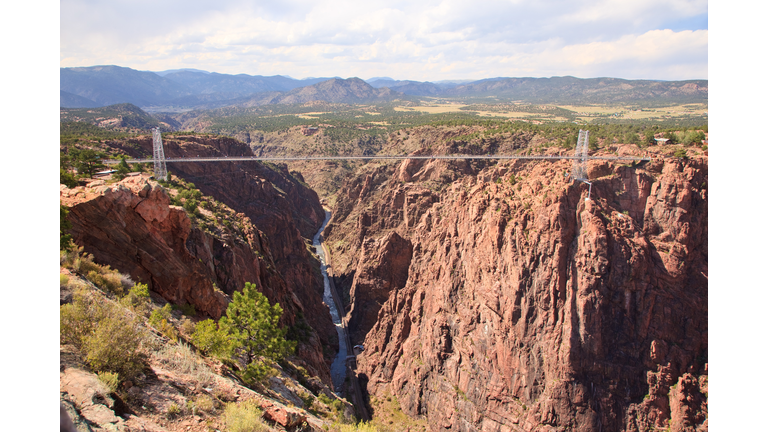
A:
(377, 157)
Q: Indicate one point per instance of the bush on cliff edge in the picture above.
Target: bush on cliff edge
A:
(108, 339)
(249, 331)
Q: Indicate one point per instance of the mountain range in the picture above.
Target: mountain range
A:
(95, 86)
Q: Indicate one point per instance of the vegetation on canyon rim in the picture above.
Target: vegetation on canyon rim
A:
(247, 341)
(111, 337)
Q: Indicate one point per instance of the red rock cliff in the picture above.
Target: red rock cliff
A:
(277, 202)
(525, 306)
(131, 227)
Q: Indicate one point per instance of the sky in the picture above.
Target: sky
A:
(428, 40)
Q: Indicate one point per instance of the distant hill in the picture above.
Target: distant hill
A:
(236, 85)
(588, 91)
(70, 100)
(114, 117)
(108, 85)
(166, 72)
(374, 79)
(179, 90)
(351, 90)
(336, 90)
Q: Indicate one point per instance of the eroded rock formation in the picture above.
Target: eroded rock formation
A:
(527, 307)
(131, 227)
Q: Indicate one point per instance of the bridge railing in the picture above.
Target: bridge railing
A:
(377, 157)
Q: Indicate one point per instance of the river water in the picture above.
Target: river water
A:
(338, 367)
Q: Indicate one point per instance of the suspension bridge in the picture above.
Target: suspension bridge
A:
(580, 158)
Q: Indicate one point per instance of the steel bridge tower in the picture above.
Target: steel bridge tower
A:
(580, 165)
(161, 173)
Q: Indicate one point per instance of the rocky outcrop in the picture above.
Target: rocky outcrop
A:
(87, 401)
(527, 307)
(276, 200)
(382, 267)
(131, 227)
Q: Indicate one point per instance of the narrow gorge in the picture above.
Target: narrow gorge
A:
(489, 296)
(497, 297)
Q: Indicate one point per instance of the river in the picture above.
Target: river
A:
(338, 367)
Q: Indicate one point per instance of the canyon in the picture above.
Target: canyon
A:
(488, 296)
(132, 227)
(496, 297)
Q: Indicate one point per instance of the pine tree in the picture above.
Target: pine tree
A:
(65, 239)
(252, 325)
(87, 161)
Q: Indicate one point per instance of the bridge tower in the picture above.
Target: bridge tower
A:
(580, 165)
(161, 173)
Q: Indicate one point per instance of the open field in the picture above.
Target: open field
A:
(560, 112)
(587, 113)
(434, 109)
(312, 115)
(463, 108)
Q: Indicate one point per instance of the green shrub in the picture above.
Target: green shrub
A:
(693, 138)
(137, 299)
(672, 137)
(157, 315)
(324, 399)
(85, 265)
(681, 153)
(160, 319)
(209, 339)
(244, 417)
(306, 399)
(67, 178)
(192, 408)
(168, 330)
(108, 281)
(205, 403)
(108, 339)
(110, 379)
(187, 326)
(65, 240)
(78, 320)
(115, 345)
(173, 410)
(190, 205)
(258, 371)
(187, 309)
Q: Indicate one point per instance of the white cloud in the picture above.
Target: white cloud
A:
(427, 40)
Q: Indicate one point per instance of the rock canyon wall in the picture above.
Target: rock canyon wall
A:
(132, 227)
(495, 297)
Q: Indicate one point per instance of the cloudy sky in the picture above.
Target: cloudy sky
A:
(426, 40)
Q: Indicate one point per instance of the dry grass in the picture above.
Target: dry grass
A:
(107, 279)
(645, 113)
(205, 403)
(360, 427)
(434, 109)
(179, 358)
(389, 417)
(244, 417)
